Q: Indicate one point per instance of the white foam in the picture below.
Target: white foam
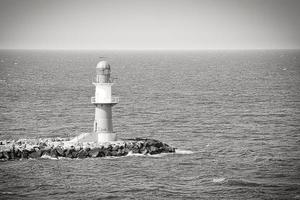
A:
(48, 157)
(111, 157)
(159, 155)
(135, 154)
(181, 151)
(218, 180)
(78, 138)
(6, 193)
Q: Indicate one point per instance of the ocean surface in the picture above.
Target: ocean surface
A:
(234, 117)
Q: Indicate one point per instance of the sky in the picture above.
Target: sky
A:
(149, 24)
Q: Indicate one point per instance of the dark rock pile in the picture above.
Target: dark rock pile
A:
(23, 149)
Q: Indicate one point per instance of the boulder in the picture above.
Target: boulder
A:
(106, 152)
(74, 154)
(136, 148)
(53, 153)
(82, 154)
(87, 149)
(18, 153)
(35, 154)
(153, 150)
(47, 152)
(102, 153)
(122, 152)
(168, 149)
(94, 152)
(151, 142)
(144, 151)
(77, 147)
(128, 145)
(42, 145)
(60, 151)
(114, 153)
(25, 154)
(69, 153)
(115, 148)
(5, 155)
(10, 155)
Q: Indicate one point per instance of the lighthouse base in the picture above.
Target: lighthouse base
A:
(106, 137)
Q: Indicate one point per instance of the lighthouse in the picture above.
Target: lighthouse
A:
(103, 101)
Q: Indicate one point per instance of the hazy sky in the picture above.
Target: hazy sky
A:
(149, 24)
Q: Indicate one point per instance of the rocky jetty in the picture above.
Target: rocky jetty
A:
(59, 147)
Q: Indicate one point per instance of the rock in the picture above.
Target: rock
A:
(36, 154)
(77, 148)
(82, 154)
(5, 155)
(25, 154)
(145, 151)
(18, 153)
(102, 153)
(29, 147)
(168, 149)
(42, 145)
(128, 145)
(115, 148)
(53, 153)
(109, 147)
(153, 150)
(46, 152)
(69, 153)
(156, 143)
(60, 151)
(106, 152)
(12, 154)
(126, 151)
(94, 152)
(135, 148)
(122, 151)
(75, 154)
(114, 153)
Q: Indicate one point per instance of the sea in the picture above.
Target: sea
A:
(232, 115)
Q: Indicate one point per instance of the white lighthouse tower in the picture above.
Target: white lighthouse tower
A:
(104, 102)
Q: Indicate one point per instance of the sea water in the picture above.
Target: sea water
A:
(233, 115)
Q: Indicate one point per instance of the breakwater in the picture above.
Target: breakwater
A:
(59, 147)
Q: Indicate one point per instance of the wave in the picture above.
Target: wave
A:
(148, 155)
(246, 183)
(181, 151)
(130, 153)
(219, 180)
(52, 158)
(177, 151)
(48, 157)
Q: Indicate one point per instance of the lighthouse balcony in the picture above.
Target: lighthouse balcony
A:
(112, 100)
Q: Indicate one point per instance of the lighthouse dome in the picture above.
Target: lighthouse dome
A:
(103, 65)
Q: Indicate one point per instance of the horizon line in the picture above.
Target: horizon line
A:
(145, 49)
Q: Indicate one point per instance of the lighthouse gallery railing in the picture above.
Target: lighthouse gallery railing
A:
(105, 100)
